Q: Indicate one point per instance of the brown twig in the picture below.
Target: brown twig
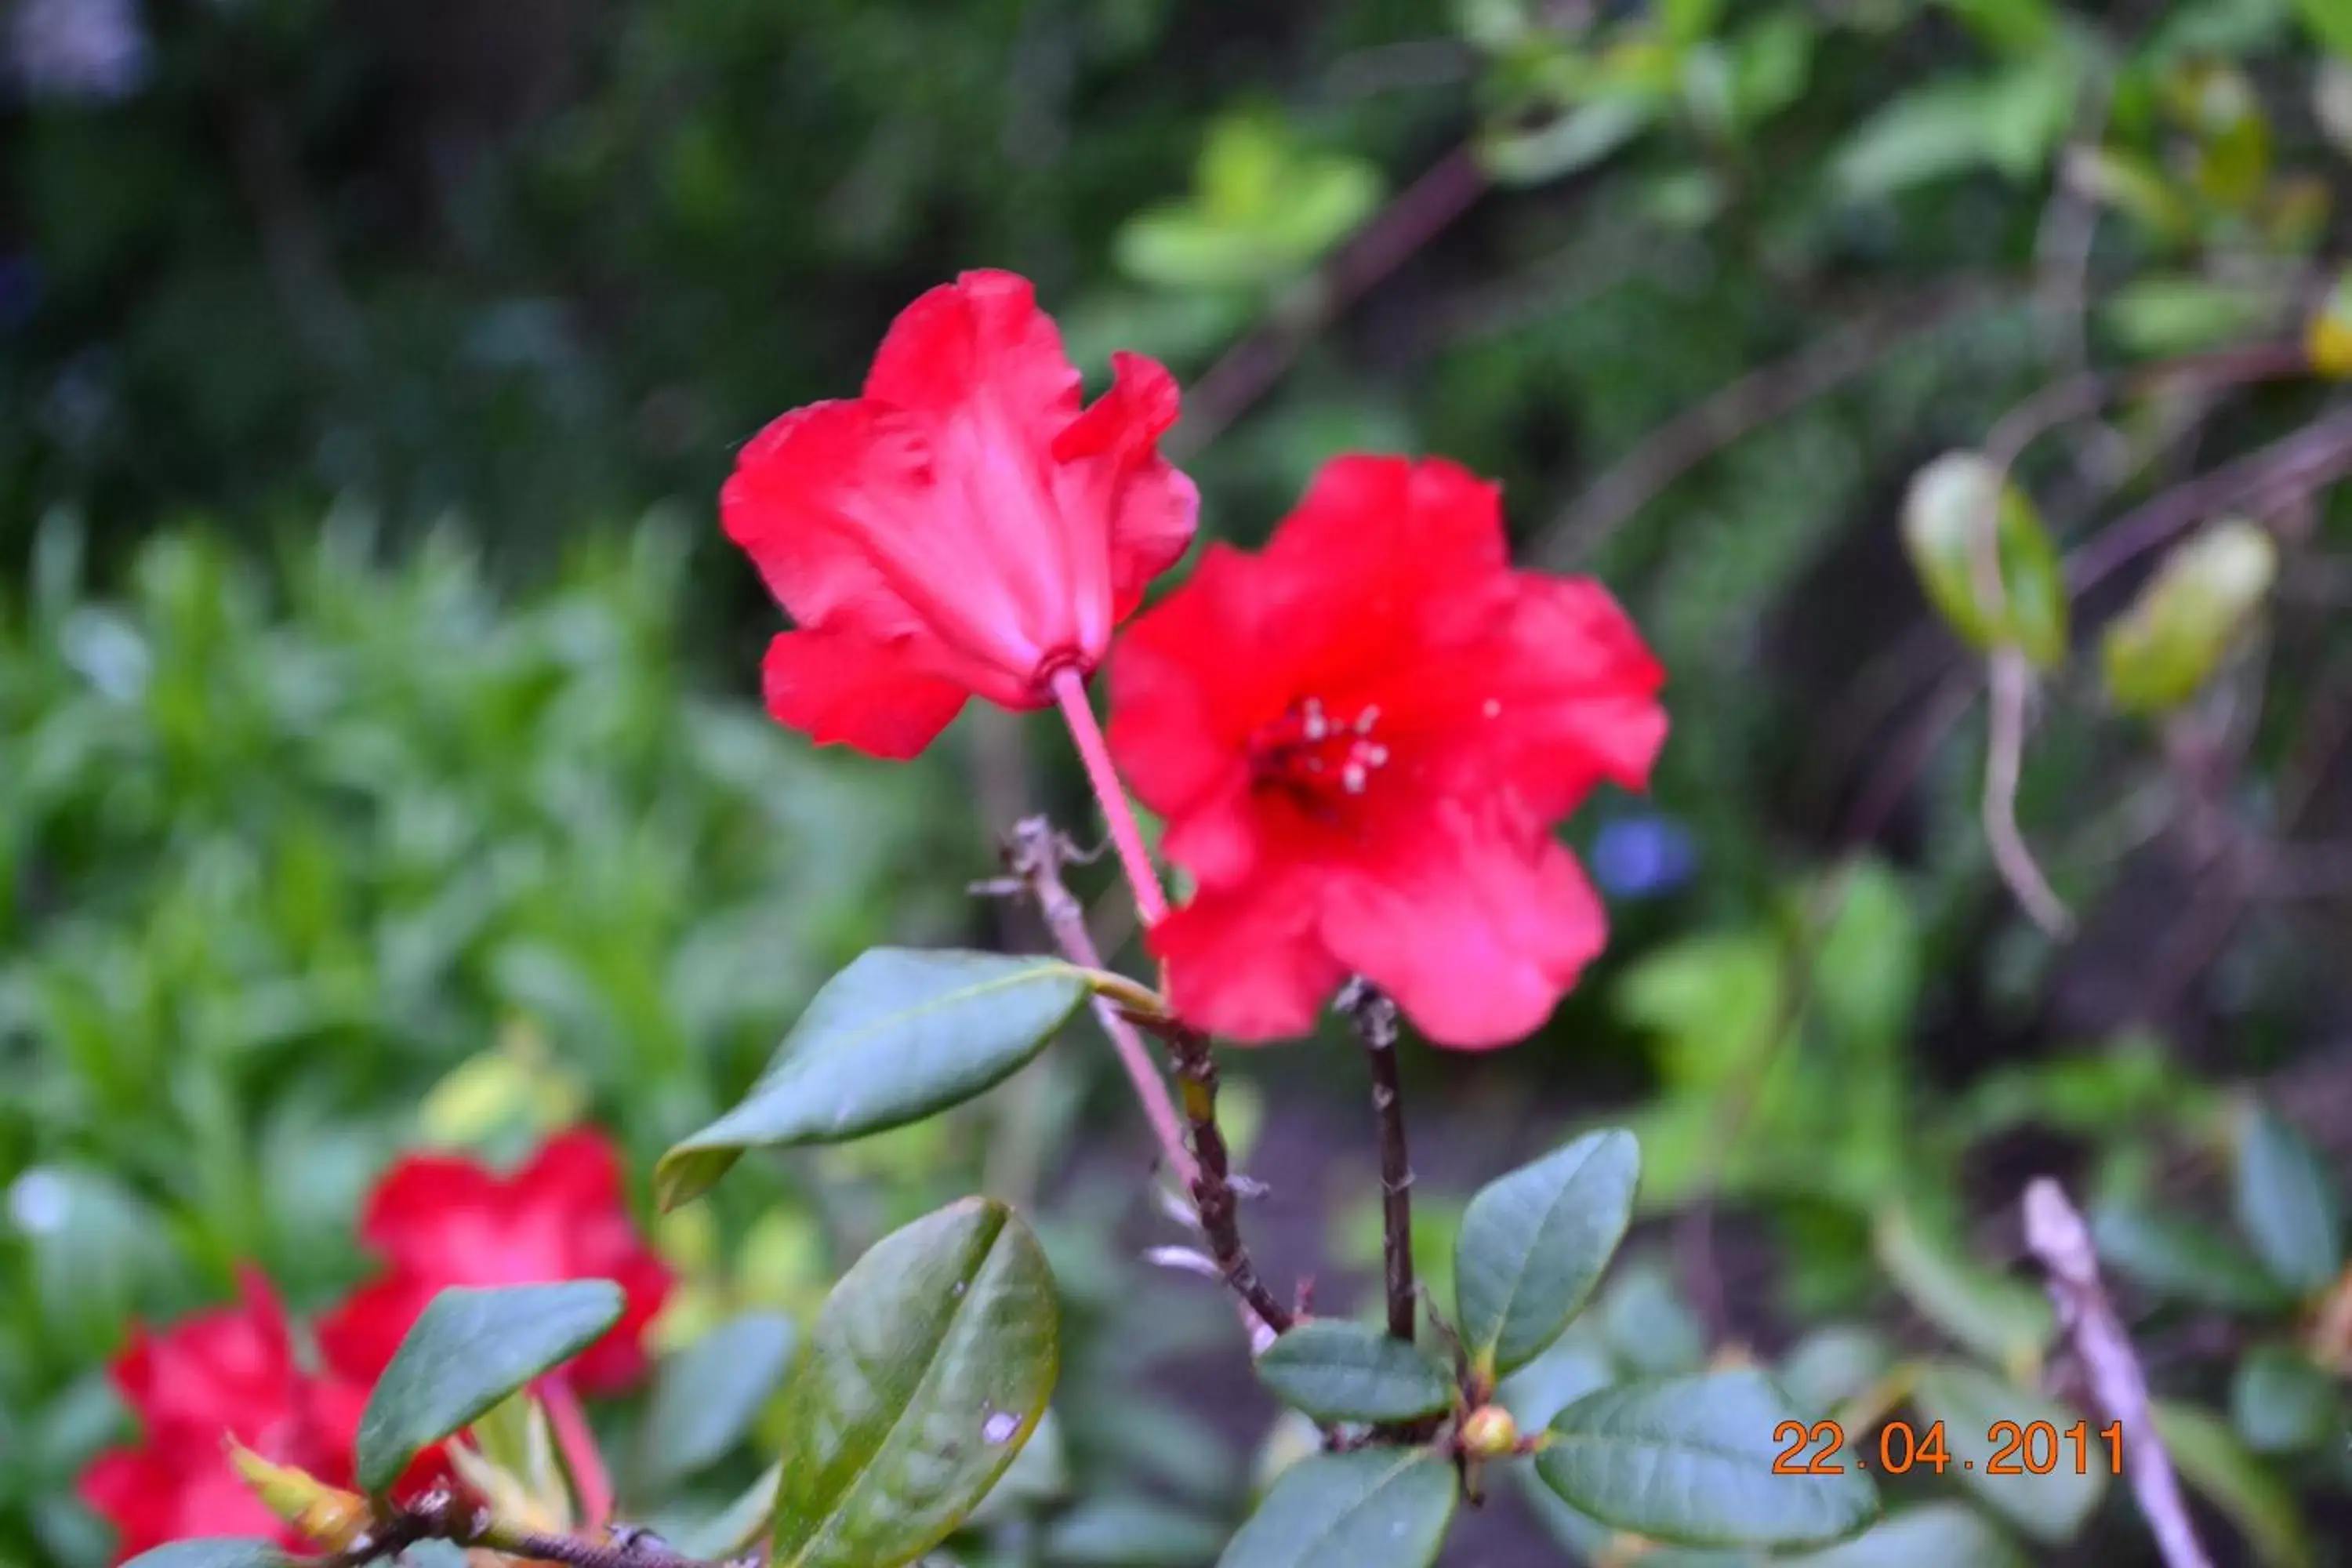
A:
(1374, 1017)
(1213, 1181)
(2056, 1235)
(1248, 371)
(442, 1516)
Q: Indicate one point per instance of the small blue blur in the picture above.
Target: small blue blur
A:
(1642, 857)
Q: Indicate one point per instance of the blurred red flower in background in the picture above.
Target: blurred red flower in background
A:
(1360, 739)
(965, 528)
(439, 1220)
(229, 1373)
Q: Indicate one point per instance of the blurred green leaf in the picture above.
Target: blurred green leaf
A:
(2280, 1403)
(1833, 1364)
(898, 1035)
(219, 1552)
(469, 1350)
(1132, 1533)
(2329, 25)
(2286, 1205)
(1377, 1507)
(1534, 1243)
(1336, 1370)
(2217, 1467)
(707, 1396)
(928, 1369)
(740, 1525)
(1971, 1403)
(1690, 1461)
(2157, 317)
(2174, 1255)
(1990, 1313)
(2010, 122)
(1930, 1535)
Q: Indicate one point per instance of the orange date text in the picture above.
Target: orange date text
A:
(2030, 1448)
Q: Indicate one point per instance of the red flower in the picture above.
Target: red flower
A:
(964, 528)
(1359, 739)
(439, 1220)
(230, 1373)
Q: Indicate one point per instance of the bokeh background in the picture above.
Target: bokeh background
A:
(380, 762)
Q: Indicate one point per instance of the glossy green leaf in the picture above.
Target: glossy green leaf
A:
(1950, 505)
(1999, 1317)
(2161, 650)
(707, 1396)
(897, 1036)
(2285, 1204)
(1534, 1243)
(1376, 1508)
(926, 1370)
(1689, 1461)
(214, 1551)
(2215, 1465)
(1932, 1535)
(1971, 1402)
(2281, 1402)
(1336, 1370)
(469, 1350)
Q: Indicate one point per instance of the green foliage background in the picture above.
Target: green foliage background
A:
(376, 700)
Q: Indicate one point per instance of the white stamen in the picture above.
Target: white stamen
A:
(1491, 708)
(1352, 778)
(1374, 754)
(1368, 718)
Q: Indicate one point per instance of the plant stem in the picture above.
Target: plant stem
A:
(1036, 859)
(1212, 1186)
(1070, 693)
(1375, 1018)
(581, 1454)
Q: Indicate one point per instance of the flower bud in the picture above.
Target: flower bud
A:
(328, 1517)
(2327, 336)
(1489, 1433)
(1950, 508)
(2200, 601)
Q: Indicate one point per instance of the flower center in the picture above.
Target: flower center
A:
(1307, 749)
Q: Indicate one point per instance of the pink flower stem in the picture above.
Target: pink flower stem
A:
(581, 1454)
(1070, 692)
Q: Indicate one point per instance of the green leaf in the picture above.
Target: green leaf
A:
(2158, 318)
(1572, 1368)
(1339, 1371)
(1932, 1535)
(1535, 1242)
(2283, 1403)
(2214, 1463)
(1689, 1461)
(737, 1528)
(1948, 506)
(1576, 139)
(1833, 1364)
(1970, 1403)
(2177, 1256)
(707, 1396)
(1376, 1508)
(1132, 1533)
(897, 1036)
(2330, 24)
(929, 1367)
(469, 1350)
(1990, 1313)
(2010, 122)
(214, 1551)
(1867, 968)
(2286, 1206)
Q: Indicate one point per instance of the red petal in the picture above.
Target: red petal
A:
(1182, 706)
(1476, 926)
(619, 1359)
(980, 337)
(1112, 469)
(1248, 964)
(408, 1215)
(793, 505)
(842, 689)
(358, 1338)
(577, 1171)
